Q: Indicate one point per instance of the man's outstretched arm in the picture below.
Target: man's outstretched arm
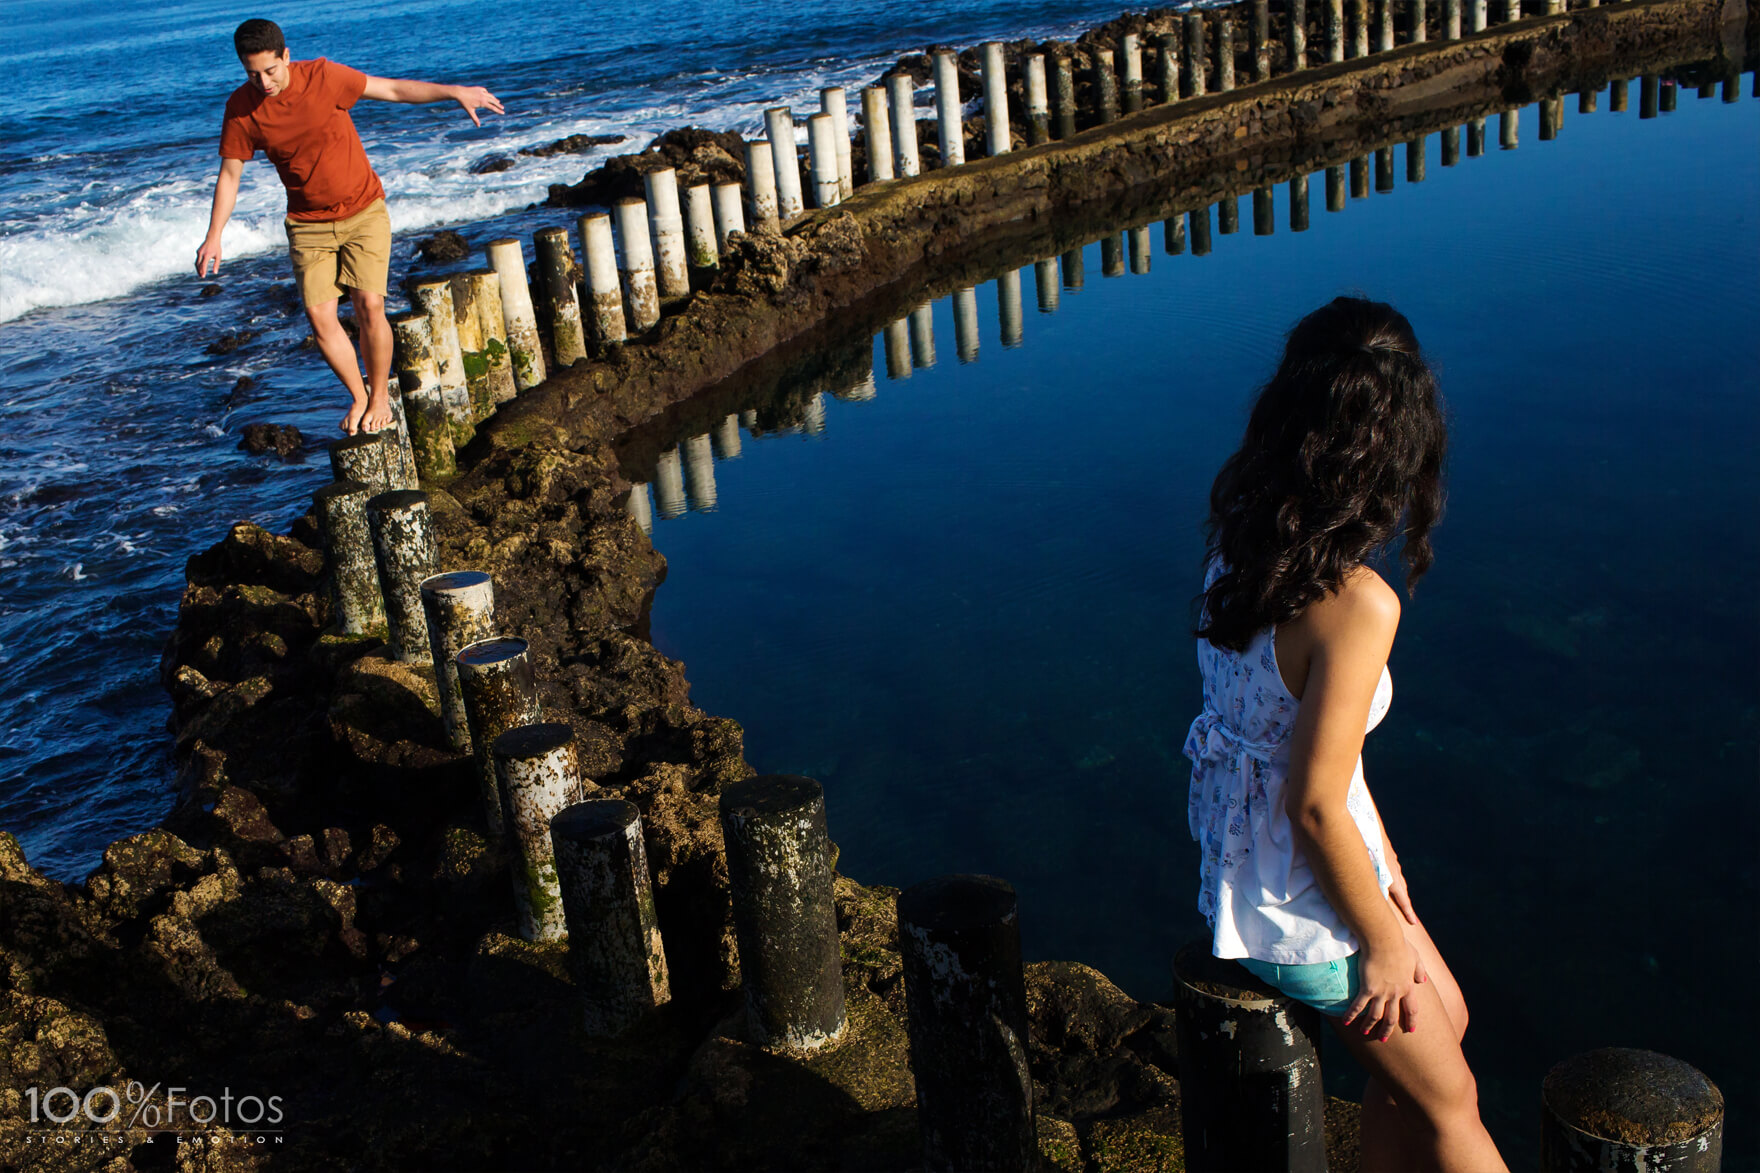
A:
(472, 98)
(225, 195)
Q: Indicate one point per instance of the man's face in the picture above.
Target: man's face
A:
(267, 71)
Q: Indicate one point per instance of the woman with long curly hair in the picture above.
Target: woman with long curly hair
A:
(1342, 455)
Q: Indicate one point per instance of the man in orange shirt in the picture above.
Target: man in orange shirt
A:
(338, 231)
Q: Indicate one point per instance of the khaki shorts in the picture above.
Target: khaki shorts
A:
(330, 254)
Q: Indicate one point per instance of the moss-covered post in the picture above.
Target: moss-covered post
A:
(950, 126)
(1335, 196)
(605, 313)
(1298, 34)
(1173, 235)
(1200, 226)
(459, 608)
(1334, 30)
(730, 216)
(362, 457)
(1138, 244)
(1622, 1110)
(1261, 40)
(1451, 146)
(701, 251)
(1264, 212)
(922, 331)
(1105, 86)
(898, 349)
(1191, 76)
(822, 160)
(508, 260)
(404, 553)
(669, 485)
(965, 324)
(492, 318)
(1298, 204)
(641, 296)
(779, 128)
(558, 273)
(1074, 269)
(699, 468)
(500, 693)
(1064, 93)
(761, 186)
(780, 876)
(639, 506)
(352, 575)
(434, 298)
(834, 100)
(1384, 169)
(540, 776)
(672, 271)
(966, 1014)
(471, 347)
(614, 948)
(1130, 53)
(1045, 285)
(1224, 53)
(1038, 101)
(1008, 307)
(877, 133)
(1249, 1070)
(430, 431)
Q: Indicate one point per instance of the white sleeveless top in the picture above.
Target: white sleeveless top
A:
(1256, 888)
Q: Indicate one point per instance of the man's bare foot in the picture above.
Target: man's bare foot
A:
(351, 422)
(377, 417)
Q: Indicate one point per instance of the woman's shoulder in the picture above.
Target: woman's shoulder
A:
(1364, 605)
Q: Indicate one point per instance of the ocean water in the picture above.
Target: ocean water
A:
(961, 599)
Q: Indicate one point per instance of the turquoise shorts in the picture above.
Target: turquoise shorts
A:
(1327, 986)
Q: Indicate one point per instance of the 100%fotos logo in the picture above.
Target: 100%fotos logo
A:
(102, 1105)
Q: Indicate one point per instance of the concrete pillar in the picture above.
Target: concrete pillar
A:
(557, 272)
(922, 332)
(1249, 1070)
(1620, 1109)
(350, 569)
(1138, 239)
(1105, 85)
(1298, 204)
(1191, 79)
(1555, 7)
(822, 158)
(1173, 235)
(998, 137)
(898, 349)
(1038, 101)
(1224, 53)
(1112, 256)
(500, 693)
(699, 469)
(1551, 117)
(669, 484)
(1074, 270)
(1167, 66)
(508, 260)
(1451, 19)
(949, 123)
(1064, 91)
(901, 90)
(492, 318)
(966, 1014)
(1360, 27)
(780, 884)
(1228, 215)
(877, 132)
(666, 220)
(430, 432)
(761, 186)
(1451, 146)
(834, 100)
(1045, 284)
(1261, 38)
(1008, 307)
(641, 296)
(539, 774)
(1384, 169)
(1420, 17)
(1481, 14)
(730, 216)
(361, 457)
(726, 438)
(404, 554)
(702, 250)
(434, 298)
(1200, 230)
(1512, 10)
(1335, 193)
(1360, 177)
(1507, 123)
(1415, 161)
(785, 157)
(615, 953)
(471, 346)
(1130, 50)
(1335, 30)
(639, 507)
(1264, 212)
(1616, 95)
(605, 311)
(1475, 137)
(459, 609)
(1383, 26)
(965, 324)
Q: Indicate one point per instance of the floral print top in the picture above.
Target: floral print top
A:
(1255, 888)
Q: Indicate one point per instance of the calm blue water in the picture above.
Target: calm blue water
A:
(963, 604)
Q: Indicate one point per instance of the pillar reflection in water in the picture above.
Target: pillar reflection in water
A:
(1298, 204)
(1139, 239)
(1415, 161)
(922, 335)
(1616, 95)
(726, 437)
(1228, 215)
(748, 419)
(1384, 170)
(1112, 255)
(1669, 92)
(1649, 86)
(1073, 270)
(1200, 227)
(1173, 235)
(1335, 189)
(898, 350)
(699, 473)
(1551, 118)
(859, 391)
(965, 324)
(1045, 281)
(1586, 100)
(640, 509)
(1507, 124)
(1264, 212)
(1451, 146)
(669, 485)
(1360, 177)
(813, 420)
(1008, 307)
(1475, 138)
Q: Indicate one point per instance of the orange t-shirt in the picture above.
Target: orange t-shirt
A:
(307, 133)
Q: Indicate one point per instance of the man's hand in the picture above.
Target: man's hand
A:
(208, 257)
(474, 98)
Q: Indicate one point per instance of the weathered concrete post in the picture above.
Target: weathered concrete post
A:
(701, 250)
(1191, 78)
(1512, 10)
(508, 260)
(1360, 177)
(639, 507)
(998, 138)
(966, 1003)
(1384, 169)
(699, 469)
(605, 311)
(1112, 256)
(877, 129)
(1008, 307)
(1045, 284)
(1617, 95)
(430, 432)
(1481, 14)
(1335, 189)
(434, 298)
(730, 216)
(822, 158)
(761, 186)
(1384, 26)
(615, 953)
(1105, 85)
(1228, 215)
(400, 455)
(671, 272)
(557, 270)
(1261, 39)
(726, 434)
(539, 774)
(922, 332)
(834, 100)
(898, 349)
(1167, 66)
(356, 606)
(1264, 212)
(1415, 161)
(1298, 204)
(1555, 7)
(1064, 88)
(779, 873)
(1451, 19)
(471, 347)
(459, 609)
(492, 319)
(965, 324)
(1507, 122)
(1173, 235)
(1335, 30)
(1249, 1070)
(1224, 53)
(785, 157)
(1130, 51)
(500, 693)
(1360, 27)
(949, 125)
(1038, 101)
(1419, 33)
(1451, 146)
(1200, 226)
(1475, 137)
(404, 553)
(1074, 269)
(361, 457)
(641, 297)
(1620, 1109)
(669, 485)
(901, 90)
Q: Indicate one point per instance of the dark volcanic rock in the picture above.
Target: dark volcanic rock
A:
(574, 144)
(212, 289)
(230, 341)
(699, 156)
(444, 246)
(490, 164)
(282, 439)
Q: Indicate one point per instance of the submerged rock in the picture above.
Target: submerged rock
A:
(574, 144)
(284, 440)
(445, 246)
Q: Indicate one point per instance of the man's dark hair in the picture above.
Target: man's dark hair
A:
(258, 36)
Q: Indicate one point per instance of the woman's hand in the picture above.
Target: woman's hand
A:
(1388, 978)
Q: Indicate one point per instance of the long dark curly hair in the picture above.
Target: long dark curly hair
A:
(1343, 453)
